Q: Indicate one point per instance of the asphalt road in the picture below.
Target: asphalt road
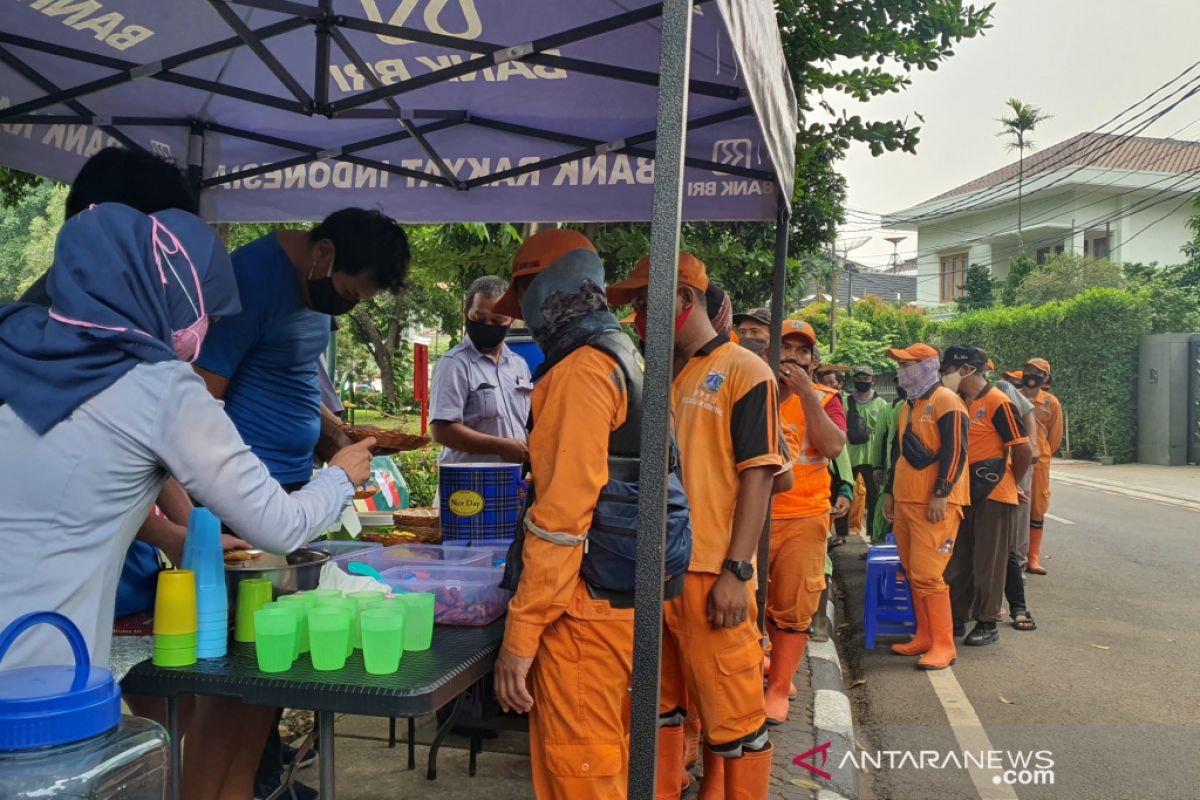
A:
(1109, 684)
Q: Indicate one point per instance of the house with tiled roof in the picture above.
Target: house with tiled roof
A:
(1125, 198)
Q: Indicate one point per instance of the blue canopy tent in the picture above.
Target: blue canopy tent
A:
(436, 111)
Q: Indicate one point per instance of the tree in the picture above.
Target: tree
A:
(28, 230)
(1067, 275)
(14, 184)
(1019, 127)
(1019, 269)
(822, 39)
(979, 289)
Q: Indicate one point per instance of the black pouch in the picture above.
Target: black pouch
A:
(915, 452)
(513, 561)
(985, 475)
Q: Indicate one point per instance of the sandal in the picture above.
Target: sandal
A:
(1023, 621)
(837, 541)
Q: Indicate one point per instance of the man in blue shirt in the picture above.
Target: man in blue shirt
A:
(263, 362)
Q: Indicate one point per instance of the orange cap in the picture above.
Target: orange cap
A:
(1014, 375)
(916, 352)
(691, 272)
(629, 320)
(798, 327)
(538, 252)
(1039, 364)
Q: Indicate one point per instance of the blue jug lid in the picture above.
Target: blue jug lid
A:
(52, 705)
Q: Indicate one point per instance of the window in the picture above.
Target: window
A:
(1097, 248)
(1044, 253)
(953, 275)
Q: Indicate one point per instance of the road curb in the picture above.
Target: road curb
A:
(1100, 484)
(833, 718)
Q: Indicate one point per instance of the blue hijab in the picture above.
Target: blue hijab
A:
(565, 306)
(104, 274)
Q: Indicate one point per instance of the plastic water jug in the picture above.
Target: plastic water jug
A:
(62, 734)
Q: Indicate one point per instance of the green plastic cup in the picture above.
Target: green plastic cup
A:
(253, 594)
(328, 633)
(275, 638)
(299, 606)
(174, 651)
(309, 598)
(418, 619)
(363, 600)
(382, 639)
(322, 595)
(351, 608)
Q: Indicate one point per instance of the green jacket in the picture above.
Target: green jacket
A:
(861, 454)
(885, 436)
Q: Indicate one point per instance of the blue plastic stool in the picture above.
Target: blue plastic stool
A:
(888, 609)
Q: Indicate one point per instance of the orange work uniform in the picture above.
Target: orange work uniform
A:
(582, 647)
(726, 407)
(939, 421)
(1047, 410)
(799, 524)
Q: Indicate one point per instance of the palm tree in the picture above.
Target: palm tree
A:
(1025, 118)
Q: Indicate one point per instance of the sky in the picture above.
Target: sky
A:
(1082, 61)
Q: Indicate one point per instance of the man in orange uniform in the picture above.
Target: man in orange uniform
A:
(925, 496)
(1048, 412)
(810, 414)
(979, 564)
(574, 649)
(726, 407)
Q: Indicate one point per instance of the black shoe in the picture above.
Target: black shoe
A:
(264, 789)
(960, 629)
(287, 754)
(984, 633)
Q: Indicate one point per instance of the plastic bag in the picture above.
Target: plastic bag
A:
(393, 489)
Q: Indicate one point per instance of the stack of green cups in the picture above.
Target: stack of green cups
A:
(382, 637)
(275, 633)
(364, 601)
(299, 605)
(328, 635)
(351, 609)
(253, 594)
(418, 619)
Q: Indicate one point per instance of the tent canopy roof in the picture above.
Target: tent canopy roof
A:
(430, 110)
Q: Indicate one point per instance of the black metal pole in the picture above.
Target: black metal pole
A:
(778, 287)
(195, 158)
(674, 62)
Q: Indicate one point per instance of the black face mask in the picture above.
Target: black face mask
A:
(324, 298)
(756, 346)
(485, 337)
(1033, 381)
(862, 387)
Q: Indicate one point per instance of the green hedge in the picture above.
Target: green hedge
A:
(1091, 341)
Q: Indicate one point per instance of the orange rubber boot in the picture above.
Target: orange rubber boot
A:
(920, 641)
(712, 787)
(749, 777)
(1033, 566)
(788, 649)
(691, 742)
(941, 652)
(670, 763)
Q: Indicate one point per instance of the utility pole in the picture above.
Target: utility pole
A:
(833, 287)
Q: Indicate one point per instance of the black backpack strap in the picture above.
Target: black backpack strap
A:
(625, 441)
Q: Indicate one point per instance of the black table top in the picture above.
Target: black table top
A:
(425, 682)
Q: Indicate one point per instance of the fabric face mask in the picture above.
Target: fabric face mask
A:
(919, 378)
(756, 346)
(485, 337)
(186, 341)
(952, 381)
(324, 296)
(862, 387)
(639, 322)
(1033, 381)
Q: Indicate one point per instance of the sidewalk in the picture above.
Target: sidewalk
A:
(368, 770)
(1174, 485)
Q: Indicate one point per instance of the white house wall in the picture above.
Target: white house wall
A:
(989, 236)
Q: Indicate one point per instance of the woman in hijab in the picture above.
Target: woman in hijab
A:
(101, 406)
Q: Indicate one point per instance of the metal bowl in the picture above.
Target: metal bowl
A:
(288, 574)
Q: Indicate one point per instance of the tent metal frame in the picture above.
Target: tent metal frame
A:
(669, 138)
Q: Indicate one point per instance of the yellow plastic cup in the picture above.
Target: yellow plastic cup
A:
(253, 594)
(175, 603)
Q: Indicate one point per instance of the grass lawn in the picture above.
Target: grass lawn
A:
(366, 416)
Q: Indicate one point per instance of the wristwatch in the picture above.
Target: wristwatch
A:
(742, 570)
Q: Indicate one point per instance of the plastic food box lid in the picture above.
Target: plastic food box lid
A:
(53, 705)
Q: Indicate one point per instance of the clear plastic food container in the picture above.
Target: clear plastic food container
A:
(402, 554)
(62, 734)
(465, 595)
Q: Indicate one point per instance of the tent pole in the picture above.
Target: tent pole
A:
(778, 288)
(674, 62)
(195, 158)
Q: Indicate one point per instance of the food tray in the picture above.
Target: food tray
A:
(465, 595)
(382, 558)
(397, 536)
(393, 441)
